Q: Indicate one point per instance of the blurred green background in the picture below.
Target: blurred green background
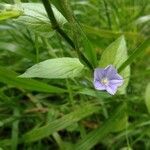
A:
(68, 114)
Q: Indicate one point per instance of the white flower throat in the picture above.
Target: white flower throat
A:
(104, 81)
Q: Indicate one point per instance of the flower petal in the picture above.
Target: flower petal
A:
(110, 71)
(117, 77)
(111, 89)
(116, 82)
(109, 74)
(99, 86)
(98, 74)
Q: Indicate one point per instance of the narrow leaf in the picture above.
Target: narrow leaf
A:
(10, 78)
(147, 97)
(59, 4)
(59, 124)
(109, 33)
(98, 134)
(135, 54)
(93, 93)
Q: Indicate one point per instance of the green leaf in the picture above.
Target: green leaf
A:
(10, 78)
(147, 97)
(143, 19)
(93, 93)
(35, 17)
(59, 4)
(109, 33)
(122, 124)
(59, 124)
(138, 51)
(116, 54)
(55, 68)
(92, 138)
(8, 11)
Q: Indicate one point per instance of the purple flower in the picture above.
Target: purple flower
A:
(107, 79)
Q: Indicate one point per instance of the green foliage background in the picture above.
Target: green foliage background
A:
(59, 108)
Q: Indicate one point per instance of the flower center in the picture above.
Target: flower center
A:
(104, 81)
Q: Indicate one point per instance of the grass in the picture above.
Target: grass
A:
(69, 114)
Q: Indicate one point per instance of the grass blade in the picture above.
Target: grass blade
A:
(147, 97)
(15, 130)
(95, 136)
(59, 124)
(135, 54)
(10, 78)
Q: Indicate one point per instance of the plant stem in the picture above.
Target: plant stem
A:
(76, 30)
(15, 130)
(56, 26)
(37, 48)
(54, 23)
(49, 47)
(70, 93)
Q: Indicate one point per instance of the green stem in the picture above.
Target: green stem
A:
(15, 130)
(56, 26)
(70, 17)
(70, 93)
(58, 140)
(75, 28)
(49, 48)
(54, 23)
(127, 138)
(37, 48)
